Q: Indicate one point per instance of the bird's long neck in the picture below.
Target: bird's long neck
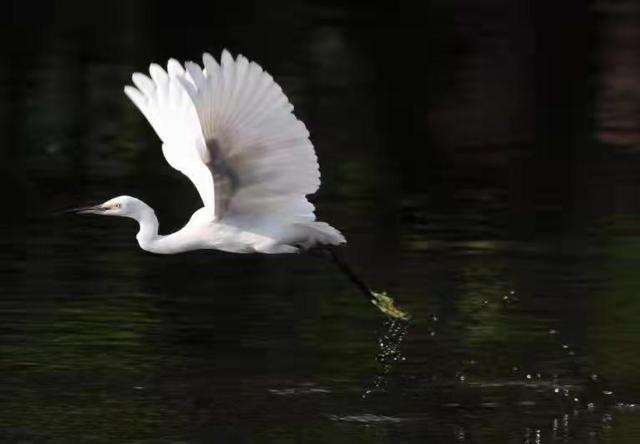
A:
(148, 234)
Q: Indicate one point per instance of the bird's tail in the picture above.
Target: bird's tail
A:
(319, 233)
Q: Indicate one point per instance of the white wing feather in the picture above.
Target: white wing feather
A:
(172, 115)
(231, 130)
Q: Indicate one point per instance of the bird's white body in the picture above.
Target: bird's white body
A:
(231, 130)
(240, 234)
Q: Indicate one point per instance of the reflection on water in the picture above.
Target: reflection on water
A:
(619, 98)
(467, 152)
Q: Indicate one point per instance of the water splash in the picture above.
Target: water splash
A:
(389, 354)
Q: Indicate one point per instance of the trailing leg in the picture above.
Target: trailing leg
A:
(384, 303)
(344, 266)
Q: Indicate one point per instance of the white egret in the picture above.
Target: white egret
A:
(230, 129)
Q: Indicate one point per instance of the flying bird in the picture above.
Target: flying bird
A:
(231, 130)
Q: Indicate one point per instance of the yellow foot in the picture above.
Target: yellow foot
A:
(386, 305)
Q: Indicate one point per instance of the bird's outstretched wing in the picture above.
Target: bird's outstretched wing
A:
(231, 130)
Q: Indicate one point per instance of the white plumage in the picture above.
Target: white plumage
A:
(230, 129)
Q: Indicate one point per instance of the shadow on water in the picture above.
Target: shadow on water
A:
(481, 158)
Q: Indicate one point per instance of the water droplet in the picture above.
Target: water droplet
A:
(553, 332)
(591, 406)
(389, 353)
(528, 376)
(594, 377)
(461, 378)
(607, 392)
(576, 400)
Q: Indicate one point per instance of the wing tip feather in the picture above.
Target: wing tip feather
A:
(135, 95)
(174, 68)
(157, 73)
(226, 57)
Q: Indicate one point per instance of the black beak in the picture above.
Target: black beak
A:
(96, 209)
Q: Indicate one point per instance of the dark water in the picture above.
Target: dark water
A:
(481, 158)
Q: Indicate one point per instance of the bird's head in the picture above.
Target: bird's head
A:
(124, 206)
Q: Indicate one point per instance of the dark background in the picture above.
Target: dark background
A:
(480, 156)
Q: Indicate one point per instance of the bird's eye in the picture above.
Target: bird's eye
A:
(117, 205)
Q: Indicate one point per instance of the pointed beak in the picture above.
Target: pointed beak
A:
(96, 209)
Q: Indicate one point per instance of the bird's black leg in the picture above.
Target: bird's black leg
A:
(331, 253)
(380, 300)
(344, 266)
